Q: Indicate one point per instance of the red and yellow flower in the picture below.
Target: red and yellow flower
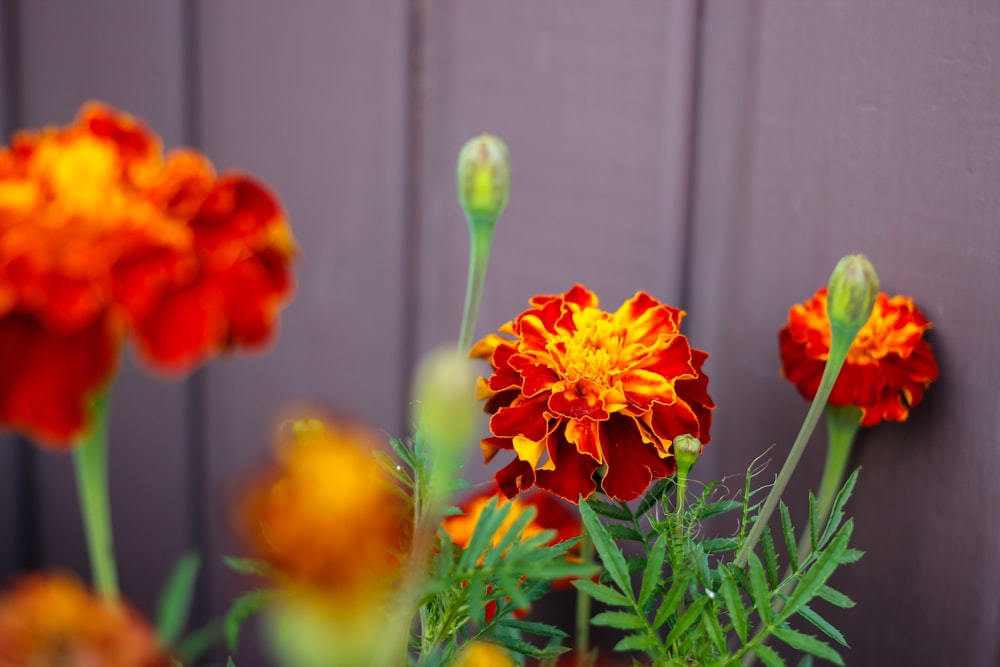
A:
(53, 621)
(888, 368)
(327, 518)
(102, 237)
(583, 396)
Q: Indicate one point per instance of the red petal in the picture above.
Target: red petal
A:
(527, 419)
(632, 463)
(573, 475)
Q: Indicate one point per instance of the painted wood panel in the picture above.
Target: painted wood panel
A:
(833, 128)
(130, 55)
(310, 97)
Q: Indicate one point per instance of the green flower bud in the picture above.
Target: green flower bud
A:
(687, 449)
(444, 401)
(483, 178)
(851, 292)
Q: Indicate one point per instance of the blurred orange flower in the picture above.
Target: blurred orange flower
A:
(888, 367)
(327, 517)
(102, 236)
(580, 393)
(484, 654)
(53, 621)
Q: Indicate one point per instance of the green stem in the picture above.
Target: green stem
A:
(842, 424)
(583, 608)
(90, 458)
(840, 343)
(479, 256)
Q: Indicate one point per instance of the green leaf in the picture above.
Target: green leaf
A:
(242, 609)
(806, 661)
(670, 601)
(837, 509)
(850, 556)
(809, 644)
(533, 627)
(602, 593)
(835, 597)
(622, 620)
(788, 530)
(822, 625)
(230, 663)
(770, 557)
(521, 647)
(195, 644)
(714, 545)
(390, 465)
(768, 656)
(609, 510)
(711, 623)
(643, 642)
(717, 508)
(759, 591)
(515, 532)
(819, 572)
(489, 522)
(620, 531)
(653, 495)
(175, 600)
(249, 566)
(734, 604)
(689, 618)
(404, 453)
(611, 555)
(813, 522)
(652, 574)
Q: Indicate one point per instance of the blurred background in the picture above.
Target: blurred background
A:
(721, 155)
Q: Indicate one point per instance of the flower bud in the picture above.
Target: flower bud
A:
(851, 292)
(445, 403)
(687, 449)
(483, 178)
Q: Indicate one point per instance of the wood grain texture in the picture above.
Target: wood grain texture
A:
(833, 128)
(593, 101)
(310, 97)
(127, 54)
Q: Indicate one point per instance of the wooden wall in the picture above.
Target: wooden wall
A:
(721, 155)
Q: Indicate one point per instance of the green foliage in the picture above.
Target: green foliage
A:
(694, 605)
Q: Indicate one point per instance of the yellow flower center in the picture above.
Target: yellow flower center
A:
(83, 176)
(593, 351)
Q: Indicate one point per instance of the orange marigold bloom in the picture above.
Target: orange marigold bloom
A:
(583, 396)
(888, 367)
(102, 236)
(327, 517)
(53, 621)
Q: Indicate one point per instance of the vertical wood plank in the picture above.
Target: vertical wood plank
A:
(311, 98)
(128, 54)
(593, 101)
(833, 128)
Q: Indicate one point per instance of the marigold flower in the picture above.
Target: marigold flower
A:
(326, 516)
(581, 394)
(888, 367)
(51, 620)
(484, 654)
(101, 236)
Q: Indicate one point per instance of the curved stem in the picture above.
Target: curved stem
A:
(91, 467)
(842, 424)
(479, 257)
(840, 343)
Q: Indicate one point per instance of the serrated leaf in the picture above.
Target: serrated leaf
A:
(489, 522)
(175, 600)
(817, 575)
(609, 510)
(620, 531)
(242, 609)
(768, 656)
(813, 522)
(717, 508)
(734, 605)
(652, 574)
(788, 531)
(602, 593)
(689, 618)
(822, 625)
(711, 623)
(837, 509)
(835, 597)
(770, 557)
(809, 644)
(515, 532)
(759, 591)
(714, 545)
(532, 627)
(519, 646)
(611, 555)
(643, 642)
(670, 601)
(403, 452)
(622, 620)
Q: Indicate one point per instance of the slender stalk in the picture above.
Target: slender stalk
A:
(479, 257)
(840, 343)
(583, 608)
(842, 424)
(91, 468)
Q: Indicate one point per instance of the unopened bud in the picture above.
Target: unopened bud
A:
(687, 449)
(483, 178)
(851, 292)
(445, 404)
